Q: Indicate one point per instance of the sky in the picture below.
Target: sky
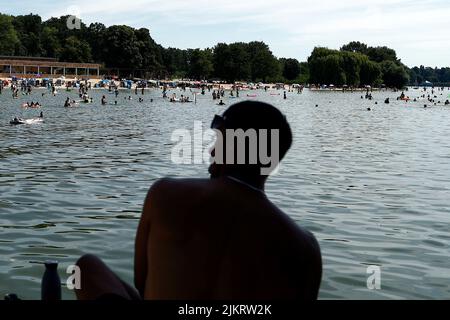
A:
(417, 29)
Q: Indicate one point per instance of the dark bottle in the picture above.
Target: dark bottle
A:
(11, 297)
(51, 283)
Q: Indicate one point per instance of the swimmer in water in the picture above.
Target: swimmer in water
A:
(103, 100)
(221, 103)
(67, 103)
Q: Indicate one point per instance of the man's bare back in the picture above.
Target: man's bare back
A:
(220, 239)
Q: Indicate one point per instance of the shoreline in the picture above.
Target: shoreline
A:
(213, 85)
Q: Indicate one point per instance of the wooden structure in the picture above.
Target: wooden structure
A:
(30, 67)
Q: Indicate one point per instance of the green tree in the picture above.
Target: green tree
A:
(8, 36)
(355, 46)
(239, 63)
(335, 74)
(304, 73)
(28, 28)
(76, 50)
(175, 62)
(370, 73)
(232, 62)
(394, 75)
(326, 67)
(51, 47)
(291, 68)
(121, 48)
(95, 35)
(63, 32)
(380, 54)
(263, 64)
(150, 52)
(351, 64)
(200, 64)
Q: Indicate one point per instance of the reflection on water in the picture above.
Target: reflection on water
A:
(372, 186)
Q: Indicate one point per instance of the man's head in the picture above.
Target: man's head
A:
(252, 138)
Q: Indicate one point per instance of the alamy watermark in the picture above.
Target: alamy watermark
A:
(231, 147)
(74, 280)
(74, 18)
(374, 280)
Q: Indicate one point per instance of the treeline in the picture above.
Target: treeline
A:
(133, 52)
(116, 46)
(437, 76)
(356, 64)
(239, 61)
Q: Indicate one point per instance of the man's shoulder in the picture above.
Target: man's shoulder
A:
(168, 184)
(296, 236)
(176, 189)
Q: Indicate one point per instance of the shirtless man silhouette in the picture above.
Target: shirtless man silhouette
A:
(217, 238)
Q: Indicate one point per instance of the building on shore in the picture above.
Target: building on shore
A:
(33, 67)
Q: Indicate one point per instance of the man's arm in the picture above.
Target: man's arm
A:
(142, 238)
(315, 269)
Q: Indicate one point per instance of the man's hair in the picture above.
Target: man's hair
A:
(259, 115)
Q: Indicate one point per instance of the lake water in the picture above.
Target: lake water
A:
(372, 186)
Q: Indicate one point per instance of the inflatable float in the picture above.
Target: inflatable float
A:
(17, 121)
(178, 101)
(72, 105)
(25, 105)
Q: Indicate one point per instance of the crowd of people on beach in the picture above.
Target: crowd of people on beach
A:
(218, 92)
